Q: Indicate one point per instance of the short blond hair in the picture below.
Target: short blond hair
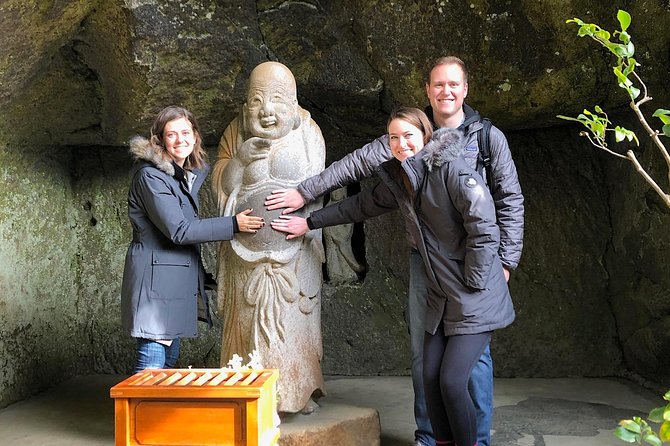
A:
(447, 60)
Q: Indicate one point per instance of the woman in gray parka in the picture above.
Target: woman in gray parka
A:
(449, 212)
(163, 277)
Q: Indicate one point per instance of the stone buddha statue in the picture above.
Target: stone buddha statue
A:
(269, 287)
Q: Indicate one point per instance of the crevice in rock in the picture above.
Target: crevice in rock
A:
(264, 46)
(284, 5)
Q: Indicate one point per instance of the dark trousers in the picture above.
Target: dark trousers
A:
(447, 364)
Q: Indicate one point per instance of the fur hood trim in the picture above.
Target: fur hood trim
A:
(142, 149)
(445, 146)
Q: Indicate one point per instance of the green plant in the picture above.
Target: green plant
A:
(598, 123)
(638, 430)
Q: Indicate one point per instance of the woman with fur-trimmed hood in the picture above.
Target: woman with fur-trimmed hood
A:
(450, 215)
(163, 277)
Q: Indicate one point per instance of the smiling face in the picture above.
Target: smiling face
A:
(271, 107)
(446, 90)
(405, 139)
(179, 139)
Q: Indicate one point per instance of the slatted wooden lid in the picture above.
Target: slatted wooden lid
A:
(196, 377)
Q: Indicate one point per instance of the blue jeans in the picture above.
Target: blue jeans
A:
(481, 379)
(154, 355)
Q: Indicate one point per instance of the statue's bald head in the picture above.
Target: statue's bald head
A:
(276, 75)
(271, 110)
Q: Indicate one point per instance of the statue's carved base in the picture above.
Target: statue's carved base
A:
(331, 424)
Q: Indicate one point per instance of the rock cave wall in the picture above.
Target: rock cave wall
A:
(79, 78)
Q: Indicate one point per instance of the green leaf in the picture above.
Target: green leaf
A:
(624, 19)
(585, 30)
(630, 425)
(633, 92)
(625, 435)
(598, 128)
(619, 135)
(666, 130)
(568, 118)
(618, 50)
(656, 415)
(660, 110)
(652, 439)
(622, 77)
(628, 134)
(622, 133)
(624, 37)
(598, 109)
(602, 35)
(664, 431)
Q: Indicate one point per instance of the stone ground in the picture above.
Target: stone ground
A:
(528, 412)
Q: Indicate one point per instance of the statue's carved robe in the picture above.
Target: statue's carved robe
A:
(270, 287)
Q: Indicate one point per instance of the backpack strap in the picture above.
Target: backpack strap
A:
(483, 138)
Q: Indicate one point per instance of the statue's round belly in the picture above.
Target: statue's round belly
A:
(266, 242)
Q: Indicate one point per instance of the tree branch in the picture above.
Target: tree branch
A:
(665, 197)
(602, 146)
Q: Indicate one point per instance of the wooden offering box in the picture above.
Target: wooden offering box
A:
(196, 407)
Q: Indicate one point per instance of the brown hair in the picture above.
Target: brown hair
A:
(415, 117)
(447, 60)
(197, 158)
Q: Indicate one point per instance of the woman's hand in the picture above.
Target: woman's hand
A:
(293, 226)
(249, 223)
(285, 198)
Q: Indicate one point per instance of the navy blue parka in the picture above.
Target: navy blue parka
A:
(163, 276)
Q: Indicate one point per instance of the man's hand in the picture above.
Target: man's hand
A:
(506, 272)
(285, 198)
(293, 226)
(249, 223)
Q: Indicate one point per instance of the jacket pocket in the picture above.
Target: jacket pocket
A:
(170, 274)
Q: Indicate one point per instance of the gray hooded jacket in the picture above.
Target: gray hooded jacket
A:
(163, 273)
(450, 214)
(507, 196)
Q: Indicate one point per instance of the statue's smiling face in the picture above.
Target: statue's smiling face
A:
(270, 110)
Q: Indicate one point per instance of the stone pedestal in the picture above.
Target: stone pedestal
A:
(332, 424)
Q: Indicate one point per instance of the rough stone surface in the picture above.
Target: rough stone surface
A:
(638, 261)
(332, 423)
(40, 325)
(77, 79)
(535, 419)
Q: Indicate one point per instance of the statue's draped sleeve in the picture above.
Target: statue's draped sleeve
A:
(228, 146)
